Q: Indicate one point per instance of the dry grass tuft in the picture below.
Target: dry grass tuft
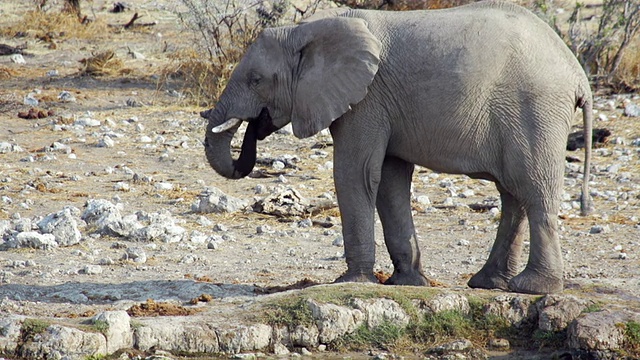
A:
(101, 64)
(6, 73)
(403, 5)
(628, 75)
(201, 79)
(49, 26)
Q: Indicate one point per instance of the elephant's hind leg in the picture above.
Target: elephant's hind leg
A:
(544, 271)
(394, 208)
(504, 258)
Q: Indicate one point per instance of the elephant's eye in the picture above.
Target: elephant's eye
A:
(254, 79)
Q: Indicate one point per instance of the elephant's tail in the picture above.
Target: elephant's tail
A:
(586, 103)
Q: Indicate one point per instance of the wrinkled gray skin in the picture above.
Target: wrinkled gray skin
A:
(486, 90)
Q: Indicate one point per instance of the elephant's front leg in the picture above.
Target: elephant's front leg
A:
(394, 208)
(357, 165)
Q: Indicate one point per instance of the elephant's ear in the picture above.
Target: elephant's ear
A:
(339, 58)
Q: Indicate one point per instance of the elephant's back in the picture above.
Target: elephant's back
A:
(494, 28)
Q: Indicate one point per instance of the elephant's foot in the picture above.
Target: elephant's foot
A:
(533, 282)
(352, 276)
(413, 278)
(489, 280)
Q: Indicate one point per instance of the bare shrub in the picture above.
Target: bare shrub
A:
(48, 26)
(402, 5)
(221, 31)
(601, 46)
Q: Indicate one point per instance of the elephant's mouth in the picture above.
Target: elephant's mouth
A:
(218, 140)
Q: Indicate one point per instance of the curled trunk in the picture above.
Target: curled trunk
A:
(218, 148)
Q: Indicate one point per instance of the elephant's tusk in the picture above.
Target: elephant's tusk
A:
(226, 125)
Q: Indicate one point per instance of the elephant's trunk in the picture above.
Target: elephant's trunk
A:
(218, 147)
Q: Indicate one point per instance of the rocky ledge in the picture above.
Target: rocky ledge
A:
(322, 319)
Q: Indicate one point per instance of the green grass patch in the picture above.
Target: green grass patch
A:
(101, 326)
(632, 337)
(31, 328)
(386, 336)
(593, 307)
(288, 312)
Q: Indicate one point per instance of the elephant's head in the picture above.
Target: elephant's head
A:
(308, 75)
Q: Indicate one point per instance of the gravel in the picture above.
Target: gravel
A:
(152, 214)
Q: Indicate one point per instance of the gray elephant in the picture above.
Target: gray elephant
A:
(487, 90)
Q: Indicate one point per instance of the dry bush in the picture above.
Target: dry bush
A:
(201, 80)
(6, 73)
(221, 31)
(601, 46)
(627, 78)
(402, 5)
(102, 64)
(53, 25)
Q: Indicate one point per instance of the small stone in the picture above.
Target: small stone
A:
(17, 59)
(632, 110)
(622, 256)
(463, 242)
(280, 349)
(278, 165)
(92, 269)
(499, 343)
(106, 142)
(135, 254)
(306, 223)
(613, 169)
(213, 245)
(163, 186)
(454, 346)
(87, 121)
(282, 179)
(220, 228)
(66, 96)
(467, 193)
(339, 241)
(305, 352)
(30, 100)
(424, 200)
(121, 186)
(136, 55)
(448, 202)
(260, 189)
(264, 229)
(106, 261)
(599, 229)
(203, 221)
(603, 117)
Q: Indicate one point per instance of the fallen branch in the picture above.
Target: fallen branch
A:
(133, 19)
(132, 24)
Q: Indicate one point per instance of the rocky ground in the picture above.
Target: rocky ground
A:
(107, 200)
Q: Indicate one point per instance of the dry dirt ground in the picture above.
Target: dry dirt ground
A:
(162, 139)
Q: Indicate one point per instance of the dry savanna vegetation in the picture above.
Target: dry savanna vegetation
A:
(602, 34)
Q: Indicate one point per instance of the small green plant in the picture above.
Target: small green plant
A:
(96, 357)
(101, 326)
(290, 314)
(384, 336)
(447, 324)
(32, 327)
(594, 307)
(632, 337)
(552, 339)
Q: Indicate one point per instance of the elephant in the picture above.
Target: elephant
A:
(486, 89)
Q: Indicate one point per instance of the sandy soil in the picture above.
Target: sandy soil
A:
(454, 240)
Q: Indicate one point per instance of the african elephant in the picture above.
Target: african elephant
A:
(487, 90)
